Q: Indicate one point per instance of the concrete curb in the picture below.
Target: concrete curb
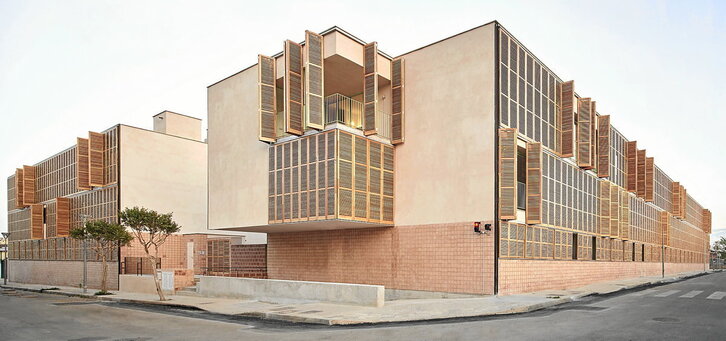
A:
(276, 316)
(105, 298)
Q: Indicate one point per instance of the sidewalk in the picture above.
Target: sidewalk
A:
(393, 311)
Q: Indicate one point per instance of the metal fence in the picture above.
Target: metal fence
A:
(138, 266)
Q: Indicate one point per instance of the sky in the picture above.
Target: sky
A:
(67, 67)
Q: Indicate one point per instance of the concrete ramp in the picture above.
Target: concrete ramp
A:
(282, 291)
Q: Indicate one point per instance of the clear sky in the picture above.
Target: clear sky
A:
(66, 67)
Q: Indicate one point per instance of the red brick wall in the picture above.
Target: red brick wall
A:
(173, 252)
(249, 261)
(522, 275)
(439, 257)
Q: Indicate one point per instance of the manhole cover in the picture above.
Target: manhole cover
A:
(666, 319)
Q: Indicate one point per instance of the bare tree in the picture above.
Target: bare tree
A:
(151, 230)
(105, 237)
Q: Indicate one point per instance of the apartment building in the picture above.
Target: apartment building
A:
(463, 166)
(104, 172)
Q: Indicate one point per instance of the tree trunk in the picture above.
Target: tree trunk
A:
(157, 280)
(104, 273)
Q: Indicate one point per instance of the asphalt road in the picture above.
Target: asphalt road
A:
(693, 309)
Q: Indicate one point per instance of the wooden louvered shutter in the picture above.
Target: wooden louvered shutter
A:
(665, 228)
(567, 117)
(603, 146)
(63, 216)
(398, 79)
(593, 135)
(19, 203)
(649, 181)
(534, 183)
(676, 199)
(614, 210)
(706, 221)
(604, 208)
(584, 113)
(267, 96)
(624, 214)
(370, 87)
(314, 75)
(641, 173)
(82, 180)
(36, 221)
(294, 119)
(96, 147)
(507, 173)
(632, 166)
(684, 208)
(29, 196)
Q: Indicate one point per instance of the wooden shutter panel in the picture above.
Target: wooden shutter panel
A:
(706, 221)
(604, 208)
(665, 234)
(534, 183)
(676, 199)
(294, 119)
(649, 181)
(398, 75)
(63, 216)
(603, 146)
(370, 87)
(267, 95)
(19, 188)
(624, 214)
(684, 207)
(82, 179)
(614, 210)
(632, 166)
(96, 146)
(507, 173)
(567, 121)
(314, 75)
(641, 173)
(584, 126)
(29, 185)
(593, 135)
(36, 221)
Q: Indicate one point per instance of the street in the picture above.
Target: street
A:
(692, 309)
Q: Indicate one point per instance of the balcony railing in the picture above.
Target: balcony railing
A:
(345, 110)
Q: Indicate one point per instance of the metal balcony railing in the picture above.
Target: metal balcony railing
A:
(344, 110)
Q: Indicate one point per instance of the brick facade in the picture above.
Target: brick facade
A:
(249, 261)
(439, 257)
(522, 275)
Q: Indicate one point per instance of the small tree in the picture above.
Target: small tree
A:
(151, 230)
(104, 238)
(720, 247)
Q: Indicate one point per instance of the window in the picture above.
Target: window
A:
(521, 178)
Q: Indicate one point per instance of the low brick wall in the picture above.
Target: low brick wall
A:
(61, 273)
(522, 275)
